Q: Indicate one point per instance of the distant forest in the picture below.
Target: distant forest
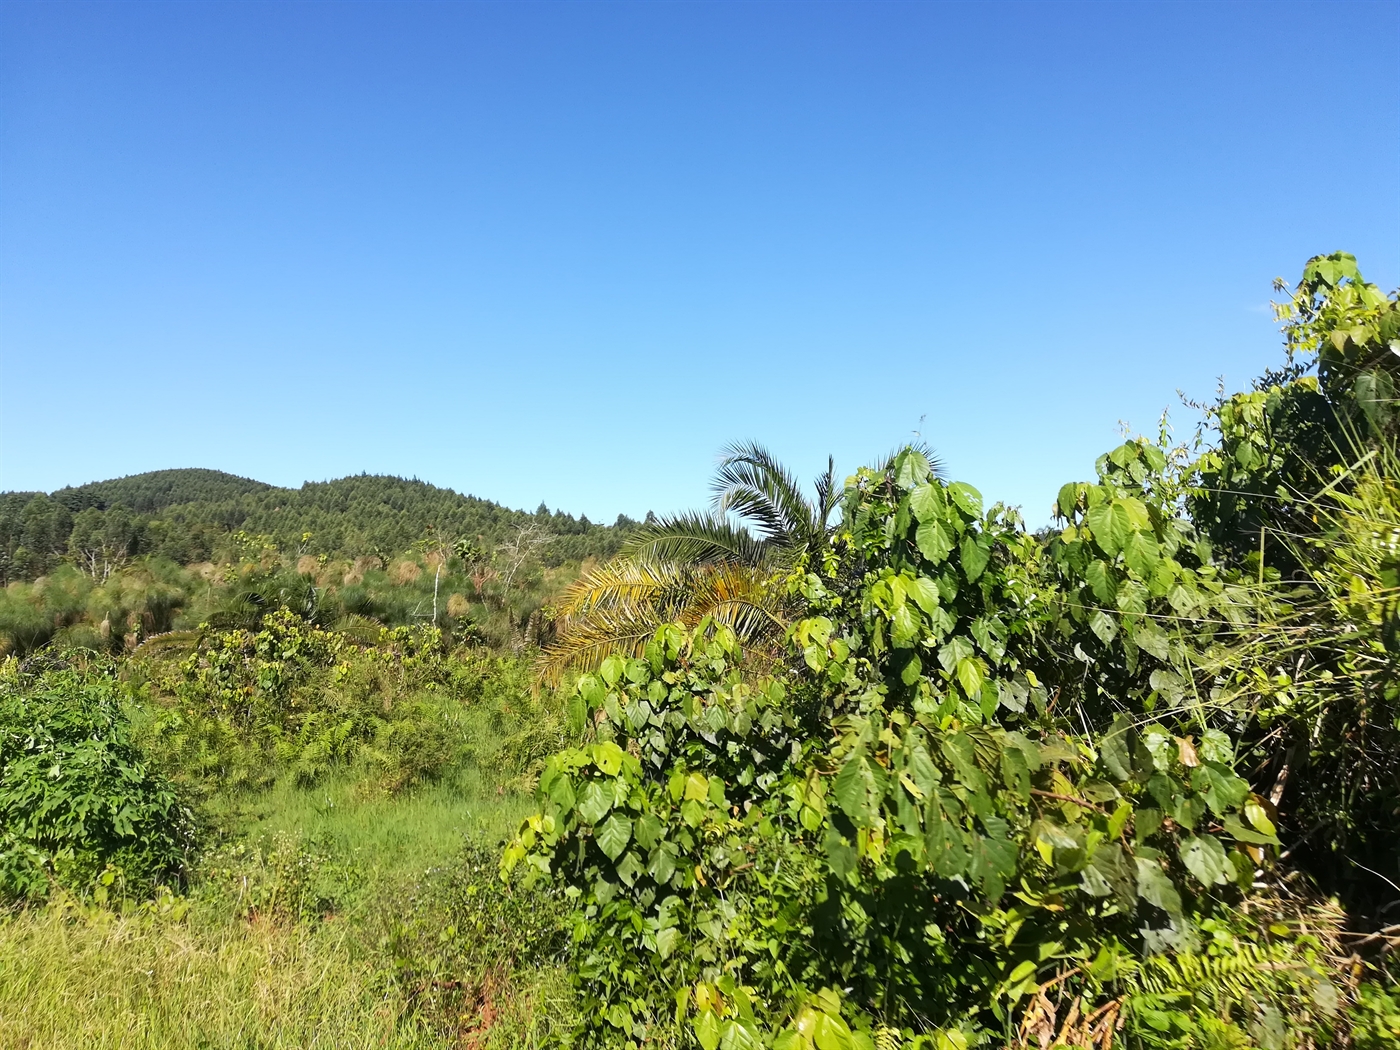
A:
(196, 515)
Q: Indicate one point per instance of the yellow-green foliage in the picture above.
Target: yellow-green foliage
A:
(246, 705)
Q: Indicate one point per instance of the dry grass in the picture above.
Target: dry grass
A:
(74, 977)
(405, 571)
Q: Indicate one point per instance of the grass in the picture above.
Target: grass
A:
(91, 978)
(390, 836)
(338, 915)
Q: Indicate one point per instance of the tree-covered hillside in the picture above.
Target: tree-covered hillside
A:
(158, 489)
(198, 515)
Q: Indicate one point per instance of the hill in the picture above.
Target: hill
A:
(158, 489)
(194, 515)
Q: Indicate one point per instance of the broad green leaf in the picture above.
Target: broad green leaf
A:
(612, 670)
(706, 1026)
(1098, 521)
(854, 787)
(958, 749)
(592, 690)
(971, 675)
(953, 652)
(716, 793)
(1101, 581)
(913, 469)
(993, 861)
(1205, 858)
(661, 865)
(739, 1034)
(1112, 863)
(666, 941)
(945, 842)
(913, 668)
(1142, 554)
(1216, 747)
(927, 502)
(935, 540)
(697, 786)
(629, 868)
(967, 498)
(1120, 526)
(647, 830)
(829, 1032)
(1068, 500)
(1256, 814)
(1137, 515)
(613, 835)
(561, 792)
(1015, 773)
(904, 629)
(607, 757)
(1154, 887)
(840, 855)
(1151, 638)
(594, 801)
(924, 592)
(925, 773)
(1116, 748)
(1223, 790)
(1240, 833)
(1104, 626)
(1132, 597)
(975, 555)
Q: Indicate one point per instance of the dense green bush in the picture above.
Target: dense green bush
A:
(79, 806)
(911, 836)
(246, 706)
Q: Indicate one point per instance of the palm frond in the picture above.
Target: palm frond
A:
(828, 493)
(750, 482)
(617, 607)
(693, 538)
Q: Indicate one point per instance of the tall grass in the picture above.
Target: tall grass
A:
(342, 913)
(95, 979)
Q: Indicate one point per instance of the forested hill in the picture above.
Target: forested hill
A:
(197, 515)
(158, 489)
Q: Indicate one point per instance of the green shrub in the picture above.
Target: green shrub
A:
(463, 942)
(77, 799)
(287, 877)
(248, 706)
(1376, 1019)
(972, 809)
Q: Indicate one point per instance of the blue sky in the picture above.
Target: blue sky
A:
(565, 252)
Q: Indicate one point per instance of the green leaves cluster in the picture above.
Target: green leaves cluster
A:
(79, 805)
(935, 812)
(247, 705)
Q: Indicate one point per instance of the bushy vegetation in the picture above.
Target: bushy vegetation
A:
(880, 768)
(1017, 789)
(79, 806)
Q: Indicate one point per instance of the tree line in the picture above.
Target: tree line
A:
(189, 516)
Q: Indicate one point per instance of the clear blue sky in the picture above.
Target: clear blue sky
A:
(565, 252)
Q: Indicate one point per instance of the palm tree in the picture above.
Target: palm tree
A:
(690, 566)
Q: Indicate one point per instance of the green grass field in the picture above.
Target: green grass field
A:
(338, 915)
